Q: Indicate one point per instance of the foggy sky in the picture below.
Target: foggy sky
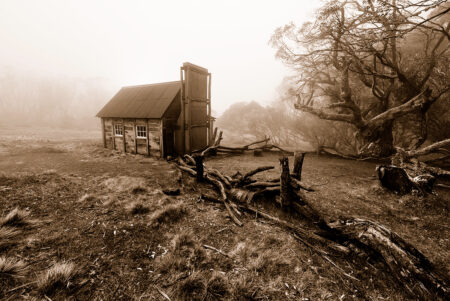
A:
(139, 42)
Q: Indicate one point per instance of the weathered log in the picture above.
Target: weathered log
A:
(397, 179)
(257, 170)
(217, 174)
(394, 178)
(265, 140)
(257, 153)
(261, 185)
(298, 164)
(298, 185)
(190, 160)
(221, 187)
(304, 233)
(408, 265)
(219, 139)
(427, 150)
(187, 169)
(210, 150)
(213, 139)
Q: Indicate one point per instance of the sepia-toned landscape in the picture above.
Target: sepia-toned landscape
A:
(197, 150)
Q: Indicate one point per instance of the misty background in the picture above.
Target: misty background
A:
(61, 61)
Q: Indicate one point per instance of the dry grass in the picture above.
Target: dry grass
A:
(138, 189)
(169, 214)
(11, 269)
(138, 208)
(217, 287)
(87, 198)
(7, 237)
(192, 288)
(59, 276)
(271, 263)
(16, 218)
(186, 254)
(245, 288)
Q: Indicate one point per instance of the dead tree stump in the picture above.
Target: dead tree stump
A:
(199, 167)
(286, 192)
(298, 164)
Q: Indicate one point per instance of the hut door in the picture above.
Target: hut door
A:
(168, 140)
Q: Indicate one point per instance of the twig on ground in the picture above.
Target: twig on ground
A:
(162, 293)
(217, 250)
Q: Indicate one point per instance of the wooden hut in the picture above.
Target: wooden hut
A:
(171, 118)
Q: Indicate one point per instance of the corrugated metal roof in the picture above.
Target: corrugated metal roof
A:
(144, 101)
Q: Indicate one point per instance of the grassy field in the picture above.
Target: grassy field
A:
(94, 224)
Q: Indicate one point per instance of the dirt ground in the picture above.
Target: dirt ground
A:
(106, 213)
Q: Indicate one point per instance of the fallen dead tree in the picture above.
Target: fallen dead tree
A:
(407, 173)
(343, 237)
(257, 147)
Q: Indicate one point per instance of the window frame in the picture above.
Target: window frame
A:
(137, 132)
(118, 126)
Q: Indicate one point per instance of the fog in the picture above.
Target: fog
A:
(63, 60)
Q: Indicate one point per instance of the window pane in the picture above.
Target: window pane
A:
(118, 130)
(141, 131)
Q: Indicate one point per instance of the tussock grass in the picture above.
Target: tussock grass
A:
(8, 237)
(271, 263)
(138, 208)
(137, 189)
(245, 288)
(59, 276)
(87, 198)
(11, 269)
(192, 288)
(16, 218)
(169, 214)
(217, 287)
(186, 254)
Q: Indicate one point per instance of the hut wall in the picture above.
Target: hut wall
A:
(108, 128)
(154, 128)
(145, 146)
(130, 135)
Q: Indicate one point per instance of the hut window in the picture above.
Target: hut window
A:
(141, 131)
(118, 130)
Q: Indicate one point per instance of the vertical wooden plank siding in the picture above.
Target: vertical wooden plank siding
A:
(161, 139)
(148, 140)
(182, 112)
(135, 136)
(123, 137)
(209, 110)
(103, 132)
(188, 112)
(114, 134)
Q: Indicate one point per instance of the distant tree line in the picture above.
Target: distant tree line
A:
(64, 102)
